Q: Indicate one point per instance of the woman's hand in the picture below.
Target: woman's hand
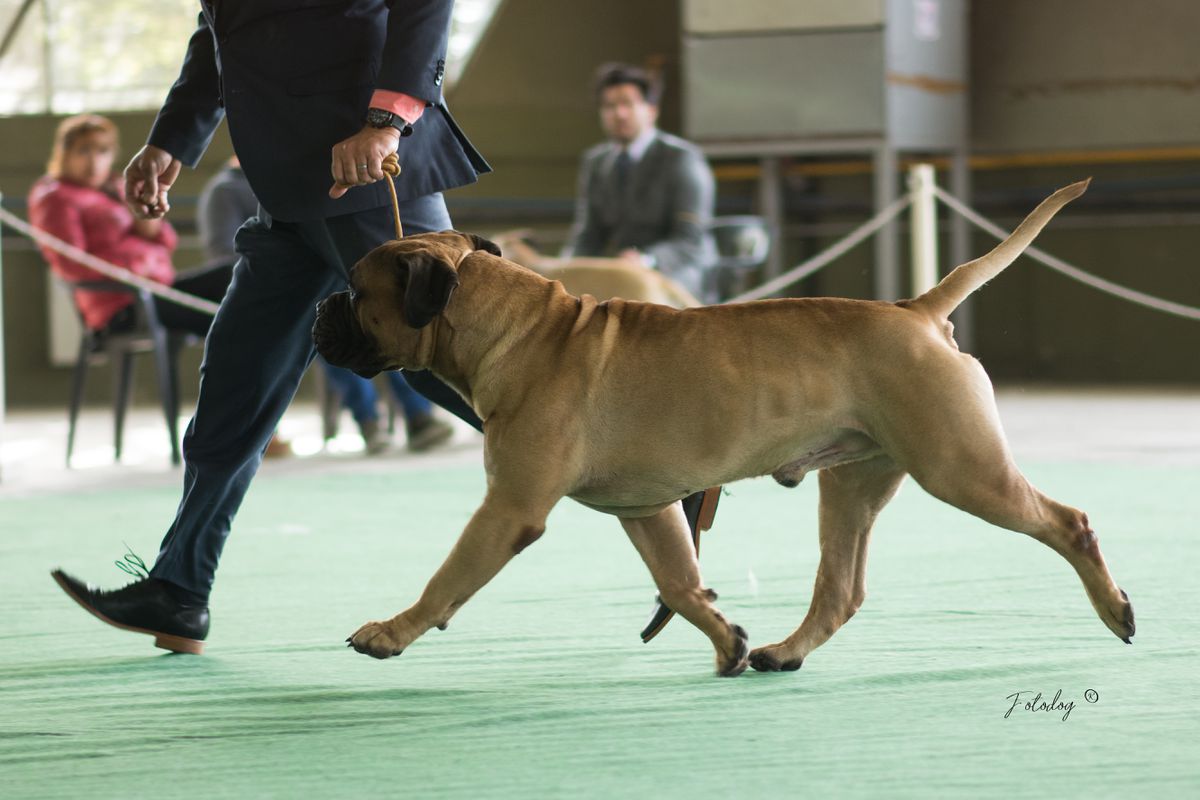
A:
(148, 178)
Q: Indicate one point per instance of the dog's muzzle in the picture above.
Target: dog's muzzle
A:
(341, 340)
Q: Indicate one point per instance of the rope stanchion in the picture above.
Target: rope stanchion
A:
(105, 268)
(847, 242)
(1057, 264)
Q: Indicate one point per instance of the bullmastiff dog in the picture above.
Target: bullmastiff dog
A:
(604, 403)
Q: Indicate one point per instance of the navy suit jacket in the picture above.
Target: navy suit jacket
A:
(295, 77)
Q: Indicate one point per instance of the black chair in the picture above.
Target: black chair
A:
(147, 335)
(743, 243)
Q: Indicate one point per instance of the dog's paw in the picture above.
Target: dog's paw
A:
(1122, 623)
(773, 658)
(736, 662)
(376, 640)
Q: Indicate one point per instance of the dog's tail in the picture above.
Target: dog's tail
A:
(939, 301)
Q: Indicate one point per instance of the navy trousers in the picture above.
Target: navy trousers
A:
(257, 350)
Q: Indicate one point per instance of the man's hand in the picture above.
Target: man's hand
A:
(358, 161)
(148, 178)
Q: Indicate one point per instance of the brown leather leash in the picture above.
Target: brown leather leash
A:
(391, 168)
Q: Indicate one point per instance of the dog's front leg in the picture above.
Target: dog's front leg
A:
(665, 544)
(499, 530)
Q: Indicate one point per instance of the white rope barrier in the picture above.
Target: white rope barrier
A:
(1132, 295)
(794, 275)
(113, 271)
(806, 268)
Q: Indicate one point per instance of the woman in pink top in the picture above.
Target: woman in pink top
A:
(79, 201)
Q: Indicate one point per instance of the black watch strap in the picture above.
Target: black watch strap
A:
(382, 118)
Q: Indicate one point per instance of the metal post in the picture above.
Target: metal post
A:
(887, 274)
(770, 206)
(923, 221)
(960, 246)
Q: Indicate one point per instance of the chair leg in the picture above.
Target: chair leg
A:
(166, 352)
(391, 402)
(331, 403)
(123, 361)
(78, 381)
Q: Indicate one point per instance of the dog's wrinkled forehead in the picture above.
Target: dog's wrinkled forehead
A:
(420, 272)
(449, 247)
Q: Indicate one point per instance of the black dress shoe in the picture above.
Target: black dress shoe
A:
(144, 606)
(699, 509)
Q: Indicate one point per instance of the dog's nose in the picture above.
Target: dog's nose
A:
(328, 327)
(341, 340)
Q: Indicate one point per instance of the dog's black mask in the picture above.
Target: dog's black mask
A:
(341, 340)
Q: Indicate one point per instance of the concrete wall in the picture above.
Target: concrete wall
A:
(1072, 74)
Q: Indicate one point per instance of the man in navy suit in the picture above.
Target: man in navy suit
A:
(316, 94)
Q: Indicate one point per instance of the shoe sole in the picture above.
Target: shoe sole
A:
(165, 641)
(704, 521)
(658, 620)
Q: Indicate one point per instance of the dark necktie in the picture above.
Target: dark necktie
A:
(621, 171)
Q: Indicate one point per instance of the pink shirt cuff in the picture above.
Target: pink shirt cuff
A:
(406, 106)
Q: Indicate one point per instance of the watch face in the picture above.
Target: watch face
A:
(378, 117)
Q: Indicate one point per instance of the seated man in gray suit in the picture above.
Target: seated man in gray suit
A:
(644, 195)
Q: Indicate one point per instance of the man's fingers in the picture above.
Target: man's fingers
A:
(358, 170)
(358, 161)
(375, 166)
(345, 166)
(337, 164)
(167, 178)
(149, 176)
(149, 190)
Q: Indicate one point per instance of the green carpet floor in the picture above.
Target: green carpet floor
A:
(541, 688)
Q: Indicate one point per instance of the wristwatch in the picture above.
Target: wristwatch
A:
(381, 118)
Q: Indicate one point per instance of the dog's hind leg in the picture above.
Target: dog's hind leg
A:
(665, 544)
(953, 445)
(852, 495)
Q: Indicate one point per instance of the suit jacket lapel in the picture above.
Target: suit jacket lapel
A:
(646, 169)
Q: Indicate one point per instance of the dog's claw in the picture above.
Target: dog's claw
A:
(762, 661)
(738, 662)
(1127, 621)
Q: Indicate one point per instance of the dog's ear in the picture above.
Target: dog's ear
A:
(427, 288)
(480, 243)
